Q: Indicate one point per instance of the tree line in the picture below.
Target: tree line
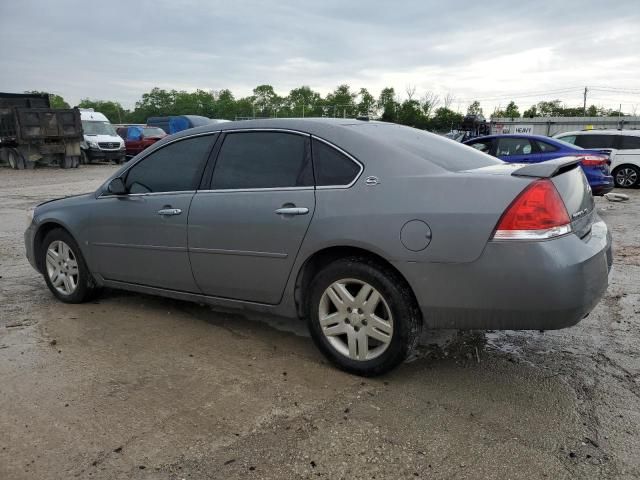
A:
(429, 111)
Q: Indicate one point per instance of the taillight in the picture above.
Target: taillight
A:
(536, 214)
(593, 160)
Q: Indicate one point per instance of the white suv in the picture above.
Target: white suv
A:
(624, 146)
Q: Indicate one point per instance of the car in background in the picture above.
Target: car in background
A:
(537, 148)
(100, 141)
(139, 137)
(178, 123)
(326, 229)
(624, 148)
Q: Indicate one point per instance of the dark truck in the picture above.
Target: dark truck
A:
(31, 132)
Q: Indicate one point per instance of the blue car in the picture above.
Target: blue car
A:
(537, 148)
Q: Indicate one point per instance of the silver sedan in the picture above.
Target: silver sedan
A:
(369, 231)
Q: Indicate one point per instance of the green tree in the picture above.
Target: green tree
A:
(341, 102)
(388, 104)
(411, 114)
(474, 108)
(510, 112)
(56, 101)
(304, 102)
(112, 110)
(444, 120)
(266, 101)
(366, 103)
(224, 105)
(531, 112)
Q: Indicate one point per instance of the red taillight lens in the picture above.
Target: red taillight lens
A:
(592, 160)
(537, 213)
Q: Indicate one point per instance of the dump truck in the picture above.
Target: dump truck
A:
(32, 133)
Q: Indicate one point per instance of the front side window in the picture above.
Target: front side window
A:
(629, 142)
(513, 146)
(332, 168)
(174, 168)
(263, 160)
(568, 139)
(596, 141)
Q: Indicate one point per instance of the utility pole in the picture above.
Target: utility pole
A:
(584, 106)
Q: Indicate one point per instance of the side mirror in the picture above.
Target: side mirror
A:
(117, 187)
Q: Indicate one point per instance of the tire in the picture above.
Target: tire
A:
(118, 161)
(16, 161)
(84, 159)
(65, 285)
(390, 327)
(66, 162)
(626, 176)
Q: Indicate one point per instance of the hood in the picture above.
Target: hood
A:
(104, 138)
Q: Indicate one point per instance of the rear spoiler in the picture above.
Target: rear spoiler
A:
(547, 169)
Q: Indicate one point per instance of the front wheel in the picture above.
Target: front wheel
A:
(64, 268)
(362, 316)
(626, 176)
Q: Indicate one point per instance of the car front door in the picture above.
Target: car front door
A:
(515, 150)
(141, 237)
(246, 229)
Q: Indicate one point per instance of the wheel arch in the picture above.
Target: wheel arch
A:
(318, 259)
(43, 229)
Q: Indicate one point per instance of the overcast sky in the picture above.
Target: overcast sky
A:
(490, 50)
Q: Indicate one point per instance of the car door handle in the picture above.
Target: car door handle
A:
(169, 211)
(292, 211)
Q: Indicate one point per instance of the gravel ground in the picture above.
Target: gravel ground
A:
(133, 386)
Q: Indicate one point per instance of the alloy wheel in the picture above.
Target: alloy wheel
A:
(626, 177)
(355, 319)
(62, 267)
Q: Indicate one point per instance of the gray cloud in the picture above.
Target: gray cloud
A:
(118, 50)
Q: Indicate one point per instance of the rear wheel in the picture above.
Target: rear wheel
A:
(362, 316)
(64, 268)
(15, 159)
(626, 176)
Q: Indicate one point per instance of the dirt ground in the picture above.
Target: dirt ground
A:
(139, 387)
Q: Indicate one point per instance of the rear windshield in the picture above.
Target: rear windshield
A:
(445, 153)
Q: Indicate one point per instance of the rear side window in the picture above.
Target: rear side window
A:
(174, 168)
(331, 166)
(510, 146)
(546, 147)
(263, 160)
(629, 142)
(569, 139)
(596, 141)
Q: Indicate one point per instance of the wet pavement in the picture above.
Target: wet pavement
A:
(134, 386)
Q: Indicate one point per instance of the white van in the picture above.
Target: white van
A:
(100, 142)
(624, 148)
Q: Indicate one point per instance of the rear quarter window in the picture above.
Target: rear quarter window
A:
(630, 142)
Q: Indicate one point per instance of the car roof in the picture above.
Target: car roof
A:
(634, 133)
(510, 135)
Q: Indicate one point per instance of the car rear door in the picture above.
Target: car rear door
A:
(141, 237)
(246, 228)
(515, 150)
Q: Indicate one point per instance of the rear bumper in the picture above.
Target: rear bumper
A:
(516, 285)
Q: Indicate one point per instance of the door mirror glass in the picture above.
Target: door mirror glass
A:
(116, 187)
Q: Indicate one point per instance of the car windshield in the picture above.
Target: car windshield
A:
(91, 127)
(153, 132)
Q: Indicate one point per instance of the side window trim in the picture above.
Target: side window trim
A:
(346, 154)
(206, 185)
(125, 172)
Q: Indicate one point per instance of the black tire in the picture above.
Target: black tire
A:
(407, 320)
(85, 288)
(84, 158)
(118, 161)
(624, 173)
(15, 159)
